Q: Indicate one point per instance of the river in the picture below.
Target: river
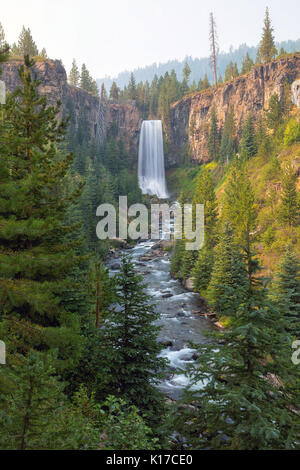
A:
(179, 321)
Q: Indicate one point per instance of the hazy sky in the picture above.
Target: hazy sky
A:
(113, 35)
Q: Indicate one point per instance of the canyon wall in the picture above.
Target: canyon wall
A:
(82, 105)
(190, 117)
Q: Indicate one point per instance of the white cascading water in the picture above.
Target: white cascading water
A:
(152, 178)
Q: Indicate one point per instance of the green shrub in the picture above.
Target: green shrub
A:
(269, 237)
(292, 132)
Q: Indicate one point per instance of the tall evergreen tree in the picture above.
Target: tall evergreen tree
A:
(129, 353)
(114, 92)
(248, 146)
(2, 36)
(231, 72)
(132, 93)
(289, 208)
(243, 393)
(87, 83)
(274, 113)
(35, 255)
(247, 64)
(206, 83)
(4, 52)
(43, 54)
(205, 194)
(267, 49)
(203, 269)
(26, 44)
(287, 290)
(74, 77)
(240, 210)
(229, 282)
(34, 411)
(186, 77)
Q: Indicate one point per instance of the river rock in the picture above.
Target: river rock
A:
(190, 284)
(146, 258)
(166, 344)
(181, 314)
(162, 244)
(219, 325)
(115, 267)
(167, 296)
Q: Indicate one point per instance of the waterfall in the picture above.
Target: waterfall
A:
(152, 178)
(101, 121)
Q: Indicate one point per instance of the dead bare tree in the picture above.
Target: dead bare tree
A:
(213, 45)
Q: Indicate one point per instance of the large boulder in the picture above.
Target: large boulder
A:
(190, 284)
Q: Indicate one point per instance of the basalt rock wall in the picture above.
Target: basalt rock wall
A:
(190, 117)
(82, 105)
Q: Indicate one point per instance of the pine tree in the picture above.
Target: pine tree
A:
(35, 255)
(2, 37)
(176, 258)
(229, 282)
(274, 113)
(153, 97)
(124, 428)
(247, 64)
(132, 94)
(26, 44)
(102, 288)
(248, 146)
(35, 413)
(289, 208)
(84, 78)
(4, 52)
(228, 144)
(114, 92)
(187, 263)
(288, 290)
(267, 49)
(206, 83)
(244, 392)
(29, 408)
(203, 269)
(14, 50)
(213, 145)
(43, 54)
(74, 77)
(240, 211)
(200, 85)
(87, 83)
(131, 367)
(282, 51)
(205, 194)
(186, 77)
(231, 72)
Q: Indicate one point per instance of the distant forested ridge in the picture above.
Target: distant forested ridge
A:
(199, 67)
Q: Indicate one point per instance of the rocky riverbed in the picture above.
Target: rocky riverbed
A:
(182, 312)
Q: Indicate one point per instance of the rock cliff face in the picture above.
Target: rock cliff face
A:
(129, 121)
(82, 105)
(190, 116)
